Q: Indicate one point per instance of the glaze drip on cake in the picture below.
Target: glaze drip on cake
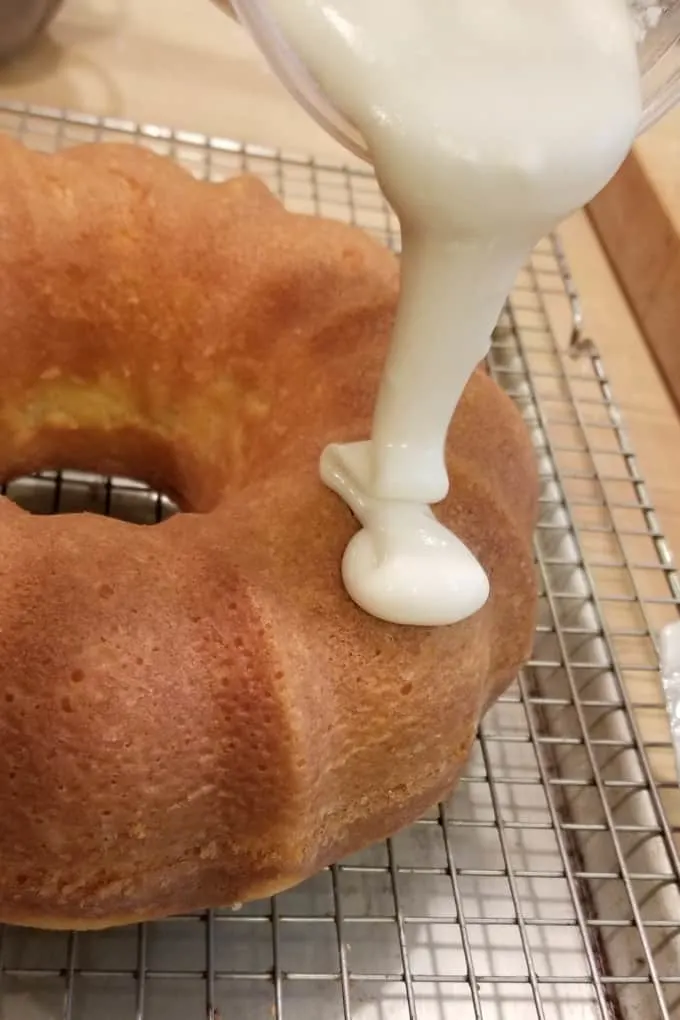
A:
(487, 124)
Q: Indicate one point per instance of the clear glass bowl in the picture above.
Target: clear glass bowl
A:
(659, 64)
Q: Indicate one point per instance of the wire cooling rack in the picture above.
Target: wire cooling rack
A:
(549, 887)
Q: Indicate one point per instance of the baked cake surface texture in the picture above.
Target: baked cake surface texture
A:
(196, 714)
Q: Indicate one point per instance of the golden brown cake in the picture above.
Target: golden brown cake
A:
(196, 714)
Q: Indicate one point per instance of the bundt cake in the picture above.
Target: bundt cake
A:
(196, 714)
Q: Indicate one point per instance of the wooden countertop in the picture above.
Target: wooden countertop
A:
(184, 64)
(648, 411)
(637, 218)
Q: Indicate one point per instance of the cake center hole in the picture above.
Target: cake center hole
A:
(64, 492)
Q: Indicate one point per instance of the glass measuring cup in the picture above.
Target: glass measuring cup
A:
(659, 67)
(660, 64)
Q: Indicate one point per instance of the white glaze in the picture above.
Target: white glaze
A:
(418, 569)
(488, 121)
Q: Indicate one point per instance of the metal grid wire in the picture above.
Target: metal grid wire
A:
(549, 887)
